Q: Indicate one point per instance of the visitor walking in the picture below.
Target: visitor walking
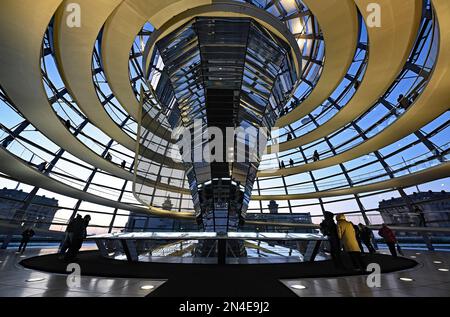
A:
(366, 237)
(346, 233)
(27, 234)
(389, 237)
(418, 211)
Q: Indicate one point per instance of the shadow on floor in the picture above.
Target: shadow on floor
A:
(212, 280)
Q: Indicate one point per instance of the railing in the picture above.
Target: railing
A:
(414, 84)
(25, 152)
(412, 165)
(373, 227)
(418, 163)
(426, 235)
(19, 149)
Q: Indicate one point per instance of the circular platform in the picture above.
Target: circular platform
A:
(212, 279)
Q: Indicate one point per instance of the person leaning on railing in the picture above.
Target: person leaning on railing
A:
(65, 244)
(389, 237)
(79, 234)
(366, 237)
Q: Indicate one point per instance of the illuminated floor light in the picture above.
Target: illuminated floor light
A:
(36, 279)
(147, 287)
(406, 279)
(298, 286)
(443, 270)
(413, 256)
(418, 253)
(23, 256)
(437, 262)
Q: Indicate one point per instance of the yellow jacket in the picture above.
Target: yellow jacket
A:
(346, 233)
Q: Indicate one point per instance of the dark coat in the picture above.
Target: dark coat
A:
(27, 234)
(365, 234)
(70, 226)
(328, 228)
(78, 228)
(388, 235)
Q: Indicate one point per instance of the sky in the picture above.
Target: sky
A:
(10, 119)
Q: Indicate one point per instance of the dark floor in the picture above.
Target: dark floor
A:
(213, 280)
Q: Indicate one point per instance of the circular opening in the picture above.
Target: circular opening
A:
(298, 286)
(147, 287)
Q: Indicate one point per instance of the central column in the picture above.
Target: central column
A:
(231, 78)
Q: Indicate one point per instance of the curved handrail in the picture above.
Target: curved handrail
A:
(386, 58)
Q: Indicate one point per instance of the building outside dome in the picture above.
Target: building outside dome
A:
(224, 131)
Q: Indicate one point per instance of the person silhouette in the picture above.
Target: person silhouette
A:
(79, 234)
(366, 237)
(27, 234)
(328, 228)
(316, 156)
(346, 232)
(389, 237)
